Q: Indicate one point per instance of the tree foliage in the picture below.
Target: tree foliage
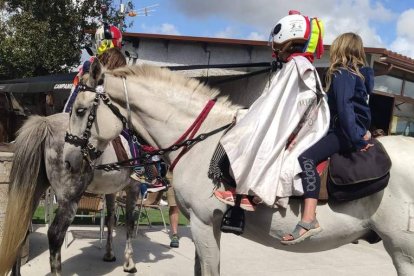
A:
(46, 37)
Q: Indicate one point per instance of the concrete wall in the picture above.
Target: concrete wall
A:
(165, 52)
(172, 52)
(169, 52)
(5, 166)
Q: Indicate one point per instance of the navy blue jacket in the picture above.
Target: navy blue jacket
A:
(72, 97)
(348, 103)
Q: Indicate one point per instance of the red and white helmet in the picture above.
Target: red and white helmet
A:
(299, 29)
(106, 37)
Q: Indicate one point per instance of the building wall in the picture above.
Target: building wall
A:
(171, 53)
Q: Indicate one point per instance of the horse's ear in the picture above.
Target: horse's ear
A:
(95, 72)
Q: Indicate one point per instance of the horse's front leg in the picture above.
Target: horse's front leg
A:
(57, 231)
(132, 192)
(110, 222)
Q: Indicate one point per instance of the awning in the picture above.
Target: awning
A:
(56, 83)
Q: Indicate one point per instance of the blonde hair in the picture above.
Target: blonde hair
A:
(347, 51)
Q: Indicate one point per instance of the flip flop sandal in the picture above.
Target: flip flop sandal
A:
(309, 227)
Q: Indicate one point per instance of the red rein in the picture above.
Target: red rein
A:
(192, 130)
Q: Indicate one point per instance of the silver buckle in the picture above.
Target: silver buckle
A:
(100, 89)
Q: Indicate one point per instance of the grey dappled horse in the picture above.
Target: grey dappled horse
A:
(38, 164)
(164, 104)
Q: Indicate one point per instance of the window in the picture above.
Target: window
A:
(402, 126)
(388, 84)
(409, 89)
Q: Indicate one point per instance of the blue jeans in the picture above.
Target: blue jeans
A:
(324, 148)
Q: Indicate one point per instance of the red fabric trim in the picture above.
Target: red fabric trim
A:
(309, 56)
(148, 148)
(321, 167)
(308, 27)
(293, 12)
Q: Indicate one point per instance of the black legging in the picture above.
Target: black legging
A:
(324, 148)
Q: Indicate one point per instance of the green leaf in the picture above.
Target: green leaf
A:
(47, 37)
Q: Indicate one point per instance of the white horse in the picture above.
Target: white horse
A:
(164, 104)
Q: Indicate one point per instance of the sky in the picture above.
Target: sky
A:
(384, 23)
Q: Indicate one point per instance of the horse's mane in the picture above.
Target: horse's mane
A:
(174, 79)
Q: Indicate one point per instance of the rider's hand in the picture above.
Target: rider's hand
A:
(367, 136)
(367, 147)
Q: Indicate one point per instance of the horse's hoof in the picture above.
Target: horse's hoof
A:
(109, 259)
(134, 270)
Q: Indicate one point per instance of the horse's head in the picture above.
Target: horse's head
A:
(94, 120)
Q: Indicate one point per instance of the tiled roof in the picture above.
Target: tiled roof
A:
(398, 56)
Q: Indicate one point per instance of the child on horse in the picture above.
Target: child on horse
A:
(349, 83)
(295, 41)
(108, 42)
(290, 115)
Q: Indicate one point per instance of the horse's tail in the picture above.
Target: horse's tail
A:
(28, 162)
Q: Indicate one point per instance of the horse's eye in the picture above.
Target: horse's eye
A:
(80, 111)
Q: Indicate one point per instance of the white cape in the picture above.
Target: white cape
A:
(256, 145)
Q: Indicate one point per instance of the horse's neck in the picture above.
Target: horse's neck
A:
(167, 125)
(166, 115)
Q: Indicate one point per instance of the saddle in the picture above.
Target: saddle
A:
(355, 175)
(344, 177)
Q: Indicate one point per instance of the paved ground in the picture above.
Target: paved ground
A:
(154, 257)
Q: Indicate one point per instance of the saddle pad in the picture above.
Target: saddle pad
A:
(358, 167)
(219, 169)
(119, 149)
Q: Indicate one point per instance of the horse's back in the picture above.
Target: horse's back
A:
(397, 145)
(401, 151)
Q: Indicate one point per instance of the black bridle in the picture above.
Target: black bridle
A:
(89, 151)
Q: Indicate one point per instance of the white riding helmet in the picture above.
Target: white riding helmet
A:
(298, 29)
(291, 27)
